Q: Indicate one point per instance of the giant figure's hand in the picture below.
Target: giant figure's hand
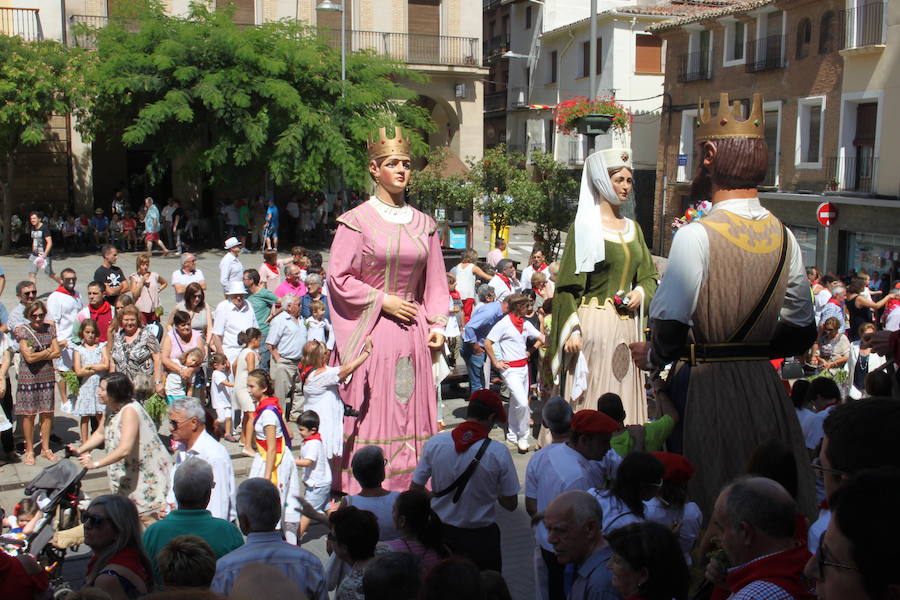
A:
(397, 307)
(435, 340)
(640, 354)
(573, 345)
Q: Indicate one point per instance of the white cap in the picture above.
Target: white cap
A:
(616, 158)
(236, 287)
(231, 243)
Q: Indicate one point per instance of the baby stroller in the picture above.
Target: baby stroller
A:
(57, 491)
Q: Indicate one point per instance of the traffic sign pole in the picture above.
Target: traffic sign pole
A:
(826, 214)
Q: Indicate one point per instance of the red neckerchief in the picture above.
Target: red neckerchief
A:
(835, 302)
(63, 290)
(100, 310)
(266, 402)
(518, 322)
(784, 569)
(127, 557)
(505, 280)
(455, 295)
(541, 268)
(467, 433)
(305, 370)
(314, 436)
(273, 268)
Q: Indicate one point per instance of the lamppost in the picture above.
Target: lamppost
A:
(334, 6)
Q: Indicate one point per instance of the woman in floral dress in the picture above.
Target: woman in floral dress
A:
(136, 353)
(138, 465)
(36, 378)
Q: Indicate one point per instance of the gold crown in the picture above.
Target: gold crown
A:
(386, 146)
(726, 124)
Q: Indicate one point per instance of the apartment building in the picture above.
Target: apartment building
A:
(437, 37)
(822, 69)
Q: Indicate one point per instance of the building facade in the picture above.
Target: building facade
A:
(822, 69)
(437, 37)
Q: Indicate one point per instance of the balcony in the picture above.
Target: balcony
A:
(22, 22)
(495, 46)
(864, 25)
(495, 102)
(852, 174)
(694, 66)
(488, 5)
(519, 98)
(764, 54)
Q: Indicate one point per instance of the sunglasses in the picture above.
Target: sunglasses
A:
(31, 293)
(38, 315)
(822, 560)
(92, 519)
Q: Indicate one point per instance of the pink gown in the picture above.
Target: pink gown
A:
(394, 389)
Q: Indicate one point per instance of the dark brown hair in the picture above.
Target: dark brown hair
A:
(740, 163)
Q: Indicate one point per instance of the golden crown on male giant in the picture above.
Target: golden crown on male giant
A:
(726, 123)
(385, 146)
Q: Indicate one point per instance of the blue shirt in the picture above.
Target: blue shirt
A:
(593, 580)
(833, 310)
(483, 318)
(305, 301)
(287, 335)
(272, 216)
(151, 220)
(298, 565)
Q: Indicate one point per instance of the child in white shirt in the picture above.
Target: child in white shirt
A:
(316, 471)
(176, 387)
(220, 393)
(318, 328)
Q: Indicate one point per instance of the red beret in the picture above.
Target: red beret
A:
(491, 400)
(593, 421)
(678, 469)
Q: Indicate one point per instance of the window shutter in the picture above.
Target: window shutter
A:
(648, 54)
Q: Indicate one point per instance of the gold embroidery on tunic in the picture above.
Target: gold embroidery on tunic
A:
(760, 236)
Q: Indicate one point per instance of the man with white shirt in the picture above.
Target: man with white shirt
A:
(504, 281)
(230, 268)
(736, 283)
(535, 265)
(233, 315)
(63, 306)
(187, 425)
(186, 275)
(558, 468)
(470, 474)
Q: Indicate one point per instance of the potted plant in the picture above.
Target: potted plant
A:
(591, 115)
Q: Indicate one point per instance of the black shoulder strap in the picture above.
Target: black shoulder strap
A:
(460, 484)
(757, 311)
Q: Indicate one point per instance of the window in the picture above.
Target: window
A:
(527, 17)
(552, 70)
(735, 42)
(826, 33)
(810, 123)
(549, 134)
(804, 37)
(686, 149)
(696, 64)
(647, 54)
(772, 118)
(586, 57)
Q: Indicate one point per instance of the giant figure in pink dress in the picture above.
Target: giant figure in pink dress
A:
(386, 278)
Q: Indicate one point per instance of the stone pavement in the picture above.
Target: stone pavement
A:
(517, 538)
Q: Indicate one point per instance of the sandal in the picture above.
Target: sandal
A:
(28, 460)
(249, 453)
(230, 438)
(50, 456)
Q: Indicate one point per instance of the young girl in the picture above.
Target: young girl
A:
(91, 361)
(318, 328)
(24, 517)
(245, 362)
(274, 461)
(511, 333)
(466, 272)
(269, 272)
(176, 386)
(320, 392)
(220, 393)
(454, 321)
(129, 230)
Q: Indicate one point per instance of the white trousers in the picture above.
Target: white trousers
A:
(516, 379)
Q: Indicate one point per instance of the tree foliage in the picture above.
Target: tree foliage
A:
(558, 201)
(231, 102)
(430, 189)
(37, 80)
(506, 193)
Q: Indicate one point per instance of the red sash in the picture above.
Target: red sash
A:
(518, 363)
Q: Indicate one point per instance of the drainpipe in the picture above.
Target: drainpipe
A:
(665, 171)
(62, 22)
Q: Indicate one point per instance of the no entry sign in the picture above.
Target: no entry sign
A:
(826, 213)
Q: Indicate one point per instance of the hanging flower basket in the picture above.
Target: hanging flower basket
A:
(591, 116)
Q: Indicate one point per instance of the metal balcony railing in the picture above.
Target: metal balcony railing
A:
(864, 25)
(495, 101)
(765, 53)
(495, 46)
(851, 173)
(536, 147)
(22, 22)
(519, 97)
(411, 48)
(694, 66)
(487, 5)
(576, 152)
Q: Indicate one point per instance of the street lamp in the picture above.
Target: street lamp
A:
(334, 6)
(510, 54)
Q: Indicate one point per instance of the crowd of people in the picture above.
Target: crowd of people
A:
(637, 485)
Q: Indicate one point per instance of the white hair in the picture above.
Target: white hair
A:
(193, 482)
(314, 279)
(289, 299)
(186, 257)
(189, 407)
(258, 501)
(289, 266)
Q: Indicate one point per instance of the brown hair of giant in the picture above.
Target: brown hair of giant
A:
(740, 163)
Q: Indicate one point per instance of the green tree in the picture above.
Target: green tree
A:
(430, 189)
(558, 201)
(232, 102)
(37, 80)
(508, 196)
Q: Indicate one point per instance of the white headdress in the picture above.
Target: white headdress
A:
(595, 185)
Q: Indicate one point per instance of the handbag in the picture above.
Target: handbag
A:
(792, 369)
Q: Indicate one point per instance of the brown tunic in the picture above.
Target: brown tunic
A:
(734, 406)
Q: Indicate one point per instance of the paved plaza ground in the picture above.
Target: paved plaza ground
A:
(517, 538)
